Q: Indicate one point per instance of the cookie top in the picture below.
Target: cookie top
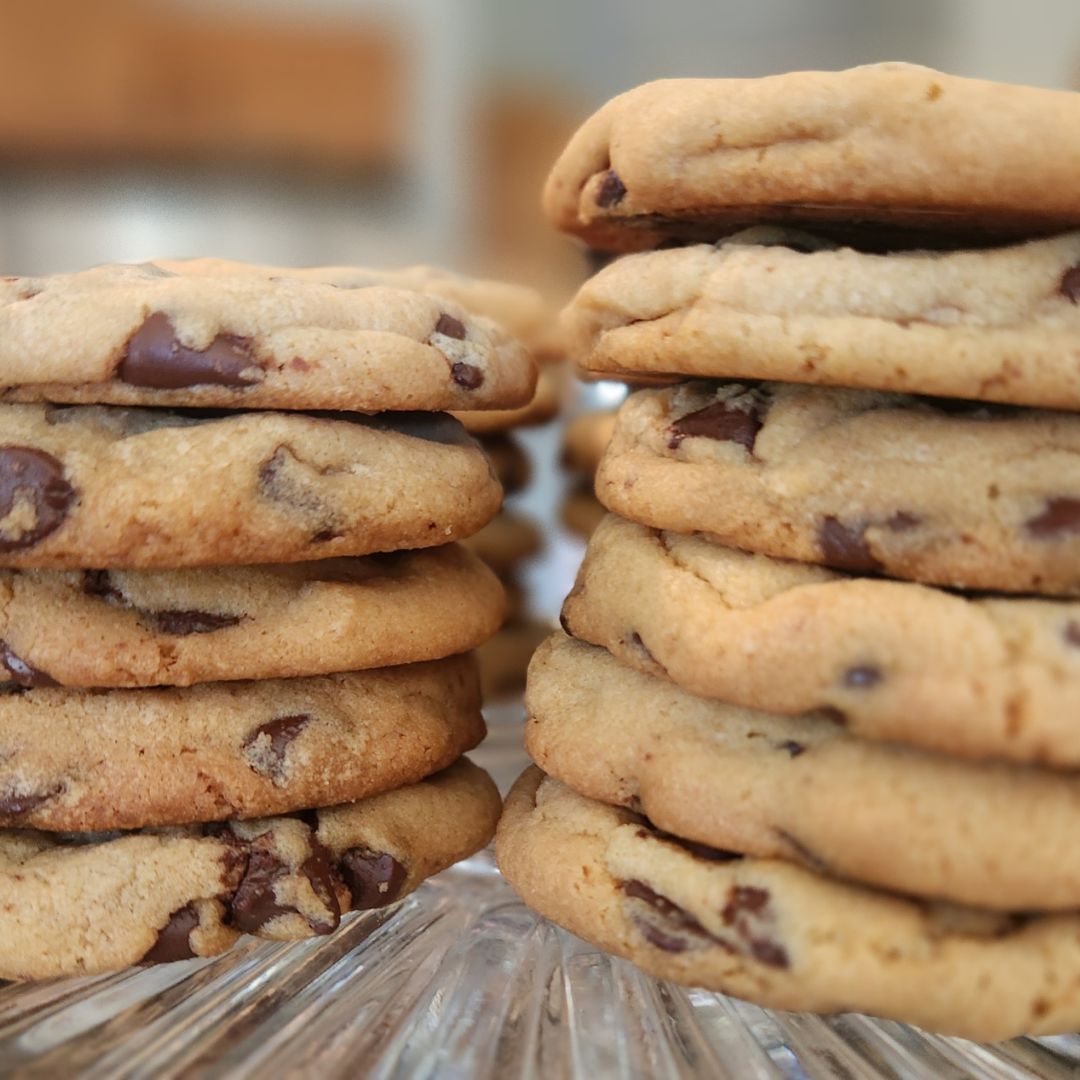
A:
(99, 487)
(938, 491)
(1000, 325)
(896, 154)
(125, 759)
(803, 788)
(521, 311)
(585, 439)
(141, 335)
(82, 904)
(977, 676)
(129, 628)
(780, 935)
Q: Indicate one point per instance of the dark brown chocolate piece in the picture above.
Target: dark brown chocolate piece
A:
(718, 421)
(280, 732)
(374, 878)
(792, 747)
(746, 908)
(1061, 517)
(15, 805)
(156, 359)
(678, 924)
(21, 672)
(174, 938)
(612, 190)
(182, 623)
(692, 847)
(35, 477)
(450, 327)
(845, 547)
(467, 375)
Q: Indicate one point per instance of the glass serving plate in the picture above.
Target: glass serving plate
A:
(459, 980)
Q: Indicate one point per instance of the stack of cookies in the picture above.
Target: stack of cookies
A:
(810, 736)
(234, 624)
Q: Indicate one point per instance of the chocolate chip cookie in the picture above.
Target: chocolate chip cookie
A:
(1000, 325)
(978, 676)
(509, 460)
(778, 934)
(82, 904)
(803, 788)
(141, 335)
(98, 487)
(504, 658)
(129, 628)
(124, 759)
(974, 496)
(506, 540)
(891, 154)
(585, 439)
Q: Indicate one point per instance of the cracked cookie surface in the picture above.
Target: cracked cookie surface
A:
(778, 934)
(803, 788)
(1000, 325)
(100, 487)
(971, 675)
(896, 154)
(143, 335)
(933, 490)
(83, 904)
(125, 759)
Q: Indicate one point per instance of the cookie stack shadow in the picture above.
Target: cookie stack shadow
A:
(809, 734)
(235, 622)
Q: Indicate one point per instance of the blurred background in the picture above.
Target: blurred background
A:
(383, 132)
(388, 131)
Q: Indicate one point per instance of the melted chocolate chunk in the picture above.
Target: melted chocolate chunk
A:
(612, 190)
(285, 478)
(33, 493)
(324, 879)
(15, 805)
(270, 743)
(182, 623)
(747, 907)
(374, 878)
(450, 327)
(156, 359)
(862, 677)
(721, 422)
(678, 919)
(692, 847)
(467, 375)
(1070, 284)
(174, 938)
(1071, 633)
(845, 547)
(1060, 518)
(21, 672)
(792, 747)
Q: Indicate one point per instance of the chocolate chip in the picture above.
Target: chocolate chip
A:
(99, 583)
(1060, 517)
(1072, 633)
(174, 938)
(16, 805)
(747, 907)
(845, 547)
(267, 746)
(862, 677)
(319, 869)
(719, 421)
(374, 878)
(285, 478)
(612, 190)
(182, 623)
(450, 327)
(21, 672)
(655, 936)
(155, 358)
(792, 747)
(34, 495)
(466, 375)
(1070, 284)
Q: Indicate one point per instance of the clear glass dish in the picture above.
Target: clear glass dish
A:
(459, 980)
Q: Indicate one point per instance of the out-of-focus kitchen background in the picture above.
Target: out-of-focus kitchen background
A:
(382, 132)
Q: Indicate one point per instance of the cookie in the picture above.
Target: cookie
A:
(510, 461)
(140, 335)
(978, 676)
(504, 658)
(892, 154)
(125, 759)
(552, 385)
(803, 788)
(1000, 325)
(506, 540)
(106, 487)
(83, 904)
(778, 934)
(984, 497)
(585, 439)
(581, 511)
(134, 628)
(518, 309)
